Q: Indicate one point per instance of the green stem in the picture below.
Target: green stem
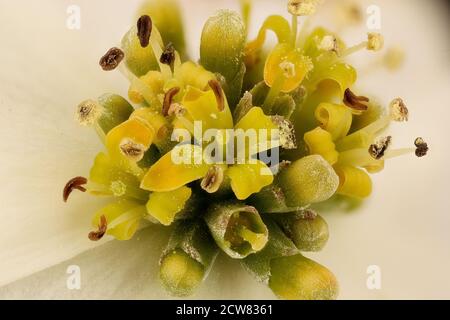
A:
(273, 93)
(294, 30)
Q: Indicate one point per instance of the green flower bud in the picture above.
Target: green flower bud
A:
(181, 274)
(222, 49)
(237, 229)
(278, 246)
(271, 199)
(283, 105)
(306, 229)
(138, 59)
(289, 274)
(105, 113)
(308, 180)
(166, 16)
(299, 278)
(188, 258)
(255, 70)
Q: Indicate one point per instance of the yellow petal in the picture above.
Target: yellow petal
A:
(191, 74)
(170, 173)
(122, 218)
(255, 119)
(247, 179)
(132, 130)
(353, 182)
(154, 120)
(202, 106)
(164, 206)
(334, 118)
(287, 64)
(109, 177)
(342, 75)
(147, 88)
(279, 25)
(320, 142)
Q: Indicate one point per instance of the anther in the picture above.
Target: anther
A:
(102, 227)
(75, 183)
(168, 97)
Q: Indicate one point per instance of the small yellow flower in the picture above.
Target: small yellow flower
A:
(286, 67)
(246, 179)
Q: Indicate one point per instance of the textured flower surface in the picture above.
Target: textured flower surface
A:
(334, 139)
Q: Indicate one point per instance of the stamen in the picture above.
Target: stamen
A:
(132, 150)
(177, 110)
(421, 147)
(217, 89)
(302, 7)
(287, 132)
(144, 27)
(288, 69)
(112, 59)
(102, 227)
(168, 97)
(355, 102)
(398, 110)
(375, 41)
(75, 183)
(329, 43)
(349, 51)
(88, 112)
(378, 149)
(168, 55)
(213, 179)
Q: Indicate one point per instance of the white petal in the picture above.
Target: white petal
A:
(47, 69)
(129, 270)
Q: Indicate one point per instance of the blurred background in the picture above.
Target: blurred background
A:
(47, 69)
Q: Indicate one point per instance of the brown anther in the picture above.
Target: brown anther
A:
(358, 103)
(75, 183)
(421, 147)
(112, 59)
(217, 89)
(378, 149)
(132, 150)
(102, 227)
(213, 179)
(144, 27)
(168, 97)
(168, 55)
(399, 111)
(88, 112)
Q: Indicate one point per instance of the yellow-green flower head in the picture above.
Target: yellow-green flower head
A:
(203, 107)
(195, 148)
